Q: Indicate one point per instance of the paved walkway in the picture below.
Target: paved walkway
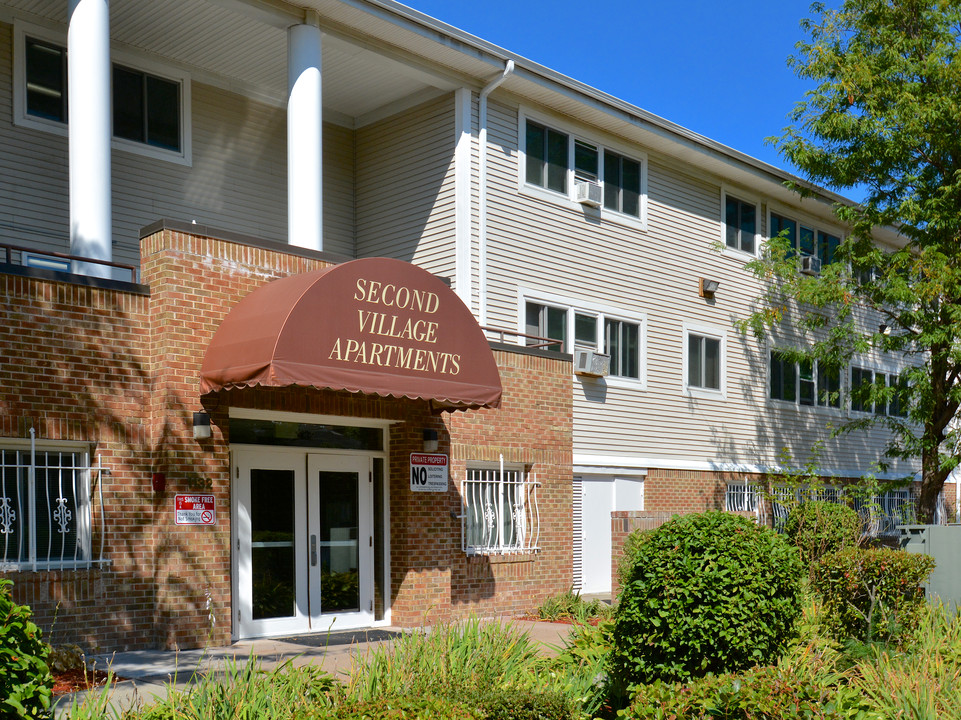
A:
(149, 672)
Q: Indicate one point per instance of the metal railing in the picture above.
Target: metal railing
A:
(10, 250)
(46, 504)
(532, 341)
(500, 515)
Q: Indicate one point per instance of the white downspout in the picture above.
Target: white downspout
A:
(482, 198)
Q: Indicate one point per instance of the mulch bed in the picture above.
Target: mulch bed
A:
(70, 681)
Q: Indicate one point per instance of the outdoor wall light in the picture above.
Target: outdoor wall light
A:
(201, 425)
(706, 288)
(430, 440)
(884, 329)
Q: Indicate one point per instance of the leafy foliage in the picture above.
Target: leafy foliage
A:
(570, 605)
(818, 528)
(25, 680)
(882, 118)
(871, 594)
(710, 592)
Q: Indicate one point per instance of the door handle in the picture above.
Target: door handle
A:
(313, 550)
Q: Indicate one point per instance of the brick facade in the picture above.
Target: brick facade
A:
(118, 368)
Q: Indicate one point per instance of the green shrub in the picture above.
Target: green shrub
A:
(632, 546)
(25, 679)
(527, 704)
(424, 707)
(871, 594)
(819, 528)
(711, 592)
(571, 606)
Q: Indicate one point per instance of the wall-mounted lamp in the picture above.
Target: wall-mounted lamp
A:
(884, 329)
(706, 288)
(430, 440)
(201, 425)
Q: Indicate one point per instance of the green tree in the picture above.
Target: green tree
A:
(884, 116)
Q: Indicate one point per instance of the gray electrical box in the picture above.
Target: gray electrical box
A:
(943, 543)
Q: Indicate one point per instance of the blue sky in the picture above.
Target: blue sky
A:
(716, 67)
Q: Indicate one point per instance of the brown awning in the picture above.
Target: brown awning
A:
(375, 325)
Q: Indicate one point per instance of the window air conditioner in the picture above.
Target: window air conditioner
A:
(588, 193)
(811, 265)
(591, 364)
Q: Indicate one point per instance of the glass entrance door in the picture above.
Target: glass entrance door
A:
(303, 552)
(341, 528)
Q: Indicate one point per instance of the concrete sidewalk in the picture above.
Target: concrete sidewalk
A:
(150, 672)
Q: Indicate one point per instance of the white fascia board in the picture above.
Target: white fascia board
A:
(583, 462)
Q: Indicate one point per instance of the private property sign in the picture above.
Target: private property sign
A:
(428, 472)
(195, 510)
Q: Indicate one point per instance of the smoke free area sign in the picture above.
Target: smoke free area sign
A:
(195, 510)
(428, 472)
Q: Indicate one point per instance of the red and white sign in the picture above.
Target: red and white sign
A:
(195, 510)
(428, 472)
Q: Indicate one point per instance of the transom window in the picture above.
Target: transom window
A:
(805, 383)
(500, 512)
(621, 339)
(552, 156)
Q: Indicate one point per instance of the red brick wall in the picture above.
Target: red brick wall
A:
(120, 370)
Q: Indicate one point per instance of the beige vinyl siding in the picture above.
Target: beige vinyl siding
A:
(405, 187)
(556, 249)
(237, 180)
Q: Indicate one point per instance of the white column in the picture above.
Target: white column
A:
(88, 114)
(304, 138)
(462, 194)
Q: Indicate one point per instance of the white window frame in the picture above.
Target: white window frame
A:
(602, 313)
(566, 199)
(876, 370)
(485, 496)
(14, 512)
(748, 198)
(709, 331)
(133, 61)
(801, 219)
(796, 403)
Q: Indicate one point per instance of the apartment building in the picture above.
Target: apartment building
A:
(327, 314)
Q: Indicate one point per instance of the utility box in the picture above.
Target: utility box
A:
(943, 543)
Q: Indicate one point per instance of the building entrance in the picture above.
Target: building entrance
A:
(303, 555)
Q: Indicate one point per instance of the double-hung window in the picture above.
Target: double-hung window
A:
(556, 160)
(804, 239)
(150, 109)
(500, 511)
(703, 362)
(806, 382)
(44, 509)
(740, 224)
(547, 157)
(591, 329)
(882, 401)
(622, 184)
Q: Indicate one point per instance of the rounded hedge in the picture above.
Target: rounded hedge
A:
(818, 528)
(711, 592)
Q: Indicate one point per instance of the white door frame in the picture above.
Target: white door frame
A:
(308, 612)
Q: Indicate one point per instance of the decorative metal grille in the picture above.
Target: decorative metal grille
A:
(741, 497)
(500, 512)
(45, 509)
